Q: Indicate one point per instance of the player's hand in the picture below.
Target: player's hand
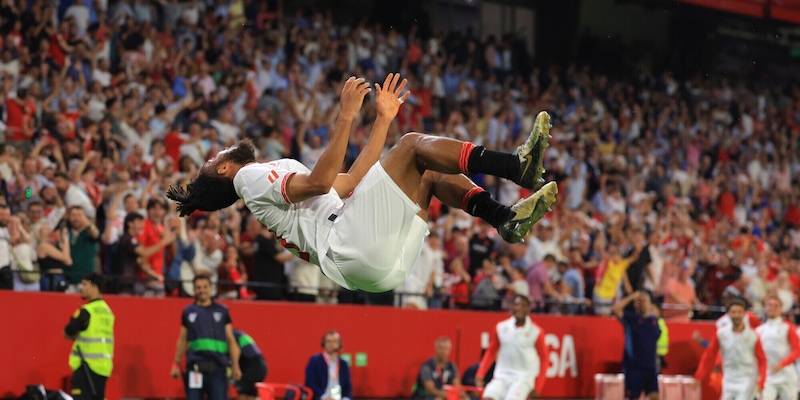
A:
(479, 382)
(534, 394)
(237, 373)
(175, 372)
(388, 98)
(352, 97)
(775, 368)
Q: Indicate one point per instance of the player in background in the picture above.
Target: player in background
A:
(782, 347)
(743, 360)
(520, 352)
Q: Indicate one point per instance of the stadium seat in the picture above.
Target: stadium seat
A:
(291, 391)
(609, 386)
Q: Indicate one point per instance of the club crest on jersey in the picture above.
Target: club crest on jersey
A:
(192, 317)
(217, 316)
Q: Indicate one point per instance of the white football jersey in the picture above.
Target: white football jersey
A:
(302, 227)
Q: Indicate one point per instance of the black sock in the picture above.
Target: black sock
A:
(482, 205)
(503, 165)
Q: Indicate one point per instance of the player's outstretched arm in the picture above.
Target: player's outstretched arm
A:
(303, 186)
(388, 99)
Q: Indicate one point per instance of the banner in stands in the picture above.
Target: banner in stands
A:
(394, 341)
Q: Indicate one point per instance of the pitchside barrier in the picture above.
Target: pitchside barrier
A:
(385, 346)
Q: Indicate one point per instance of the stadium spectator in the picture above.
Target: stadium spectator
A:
(269, 275)
(680, 298)
(540, 285)
(53, 255)
(6, 277)
(83, 235)
(437, 372)
(327, 374)
(208, 256)
(26, 278)
(419, 287)
(206, 338)
(304, 280)
(667, 154)
(612, 277)
(487, 286)
(154, 233)
(518, 346)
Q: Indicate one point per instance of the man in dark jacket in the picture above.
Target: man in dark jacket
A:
(327, 374)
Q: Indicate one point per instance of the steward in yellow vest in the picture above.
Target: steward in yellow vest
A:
(91, 329)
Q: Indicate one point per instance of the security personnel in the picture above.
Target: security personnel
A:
(662, 345)
(252, 364)
(207, 340)
(91, 329)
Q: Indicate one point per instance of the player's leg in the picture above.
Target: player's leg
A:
(496, 389)
(458, 191)
(770, 392)
(633, 384)
(788, 389)
(519, 391)
(650, 386)
(415, 153)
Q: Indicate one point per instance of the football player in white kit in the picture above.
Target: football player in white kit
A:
(780, 342)
(365, 228)
(520, 351)
(744, 364)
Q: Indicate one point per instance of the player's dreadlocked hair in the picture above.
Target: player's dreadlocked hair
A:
(210, 191)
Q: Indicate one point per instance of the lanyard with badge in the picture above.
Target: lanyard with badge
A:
(195, 378)
(336, 390)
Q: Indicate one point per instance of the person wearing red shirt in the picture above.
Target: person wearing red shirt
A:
(152, 234)
(518, 346)
(20, 117)
(719, 277)
(726, 203)
(749, 243)
(59, 46)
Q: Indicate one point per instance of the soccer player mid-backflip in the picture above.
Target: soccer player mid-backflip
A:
(365, 228)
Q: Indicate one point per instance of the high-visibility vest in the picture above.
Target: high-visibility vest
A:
(662, 345)
(95, 344)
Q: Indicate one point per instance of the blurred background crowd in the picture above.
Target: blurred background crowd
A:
(685, 185)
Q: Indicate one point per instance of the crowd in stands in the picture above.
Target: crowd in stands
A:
(687, 188)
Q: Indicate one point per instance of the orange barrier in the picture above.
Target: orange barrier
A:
(454, 392)
(387, 346)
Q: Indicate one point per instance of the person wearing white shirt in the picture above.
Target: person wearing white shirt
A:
(6, 279)
(419, 284)
(101, 73)
(73, 196)
(80, 14)
(742, 354)
(519, 349)
(782, 347)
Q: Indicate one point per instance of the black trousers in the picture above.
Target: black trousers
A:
(254, 370)
(83, 379)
